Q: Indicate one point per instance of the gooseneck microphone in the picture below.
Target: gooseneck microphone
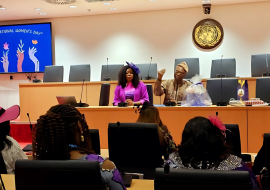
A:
(31, 127)
(80, 104)
(148, 77)
(221, 103)
(107, 78)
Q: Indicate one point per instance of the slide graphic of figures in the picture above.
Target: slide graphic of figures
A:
(20, 56)
(32, 56)
(5, 57)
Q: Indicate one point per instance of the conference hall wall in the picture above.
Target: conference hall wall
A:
(164, 35)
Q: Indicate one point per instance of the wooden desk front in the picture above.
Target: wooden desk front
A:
(37, 98)
(137, 184)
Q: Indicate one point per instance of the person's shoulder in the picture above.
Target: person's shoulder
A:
(234, 162)
(188, 82)
(14, 142)
(141, 83)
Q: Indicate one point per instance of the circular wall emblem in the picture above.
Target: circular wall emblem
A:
(208, 34)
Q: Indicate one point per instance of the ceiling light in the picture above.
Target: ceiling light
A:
(206, 1)
(72, 6)
(2, 8)
(38, 9)
(153, 0)
(42, 13)
(106, 3)
(113, 9)
(61, 2)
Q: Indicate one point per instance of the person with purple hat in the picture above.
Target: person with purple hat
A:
(130, 89)
(10, 148)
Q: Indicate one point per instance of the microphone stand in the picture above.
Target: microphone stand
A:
(148, 77)
(221, 103)
(107, 78)
(82, 104)
(267, 72)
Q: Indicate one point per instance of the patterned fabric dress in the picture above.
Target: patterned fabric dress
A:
(169, 145)
(111, 178)
(231, 163)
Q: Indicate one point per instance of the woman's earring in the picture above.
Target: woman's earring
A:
(82, 137)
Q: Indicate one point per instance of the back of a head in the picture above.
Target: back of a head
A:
(4, 131)
(58, 132)
(149, 115)
(202, 143)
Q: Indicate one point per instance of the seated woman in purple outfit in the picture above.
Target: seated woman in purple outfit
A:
(203, 146)
(62, 134)
(130, 89)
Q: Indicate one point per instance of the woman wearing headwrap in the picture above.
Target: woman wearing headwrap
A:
(130, 89)
(173, 89)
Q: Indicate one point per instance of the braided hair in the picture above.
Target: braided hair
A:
(58, 132)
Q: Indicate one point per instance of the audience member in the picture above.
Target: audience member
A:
(263, 158)
(130, 89)
(10, 148)
(203, 146)
(150, 114)
(62, 133)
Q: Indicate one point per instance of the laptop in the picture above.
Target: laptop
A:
(69, 100)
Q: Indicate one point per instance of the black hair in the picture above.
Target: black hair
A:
(203, 145)
(122, 81)
(4, 132)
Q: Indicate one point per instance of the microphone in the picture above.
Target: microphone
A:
(267, 73)
(31, 127)
(107, 72)
(82, 104)
(148, 77)
(221, 103)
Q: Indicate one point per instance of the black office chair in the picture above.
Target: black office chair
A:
(229, 89)
(135, 147)
(148, 72)
(259, 64)
(56, 174)
(110, 71)
(228, 68)
(263, 89)
(202, 179)
(94, 134)
(193, 66)
(79, 73)
(104, 97)
(150, 93)
(233, 139)
(53, 74)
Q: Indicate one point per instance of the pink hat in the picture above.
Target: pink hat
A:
(9, 114)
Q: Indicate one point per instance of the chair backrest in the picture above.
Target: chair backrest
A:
(202, 179)
(233, 138)
(258, 64)
(55, 175)
(228, 68)
(3, 169)
(266, 140)
(94, 134)
(53, 74)
(263, 89)
(112, 73)
(104, 97)
(150, 93)
(79, 73)
(193, 66)
(145, 68)
(135, 141)
(229, 89)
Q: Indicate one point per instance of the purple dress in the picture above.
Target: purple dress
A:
(231, 163)
(111, 178)
(140, 94)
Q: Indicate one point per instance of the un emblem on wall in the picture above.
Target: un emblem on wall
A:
(208, 34)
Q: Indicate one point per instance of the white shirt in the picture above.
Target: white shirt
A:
(12, 154)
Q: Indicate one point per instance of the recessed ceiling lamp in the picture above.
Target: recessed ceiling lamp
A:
(92, 1)
(113, 9)
(72, 6)
(38, 9)
(43, 13)
(61, 2)
(106, 3)
(206, 1)
(153, 0)
(2, 8)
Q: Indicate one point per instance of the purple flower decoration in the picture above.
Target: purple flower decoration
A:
(136, 69)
